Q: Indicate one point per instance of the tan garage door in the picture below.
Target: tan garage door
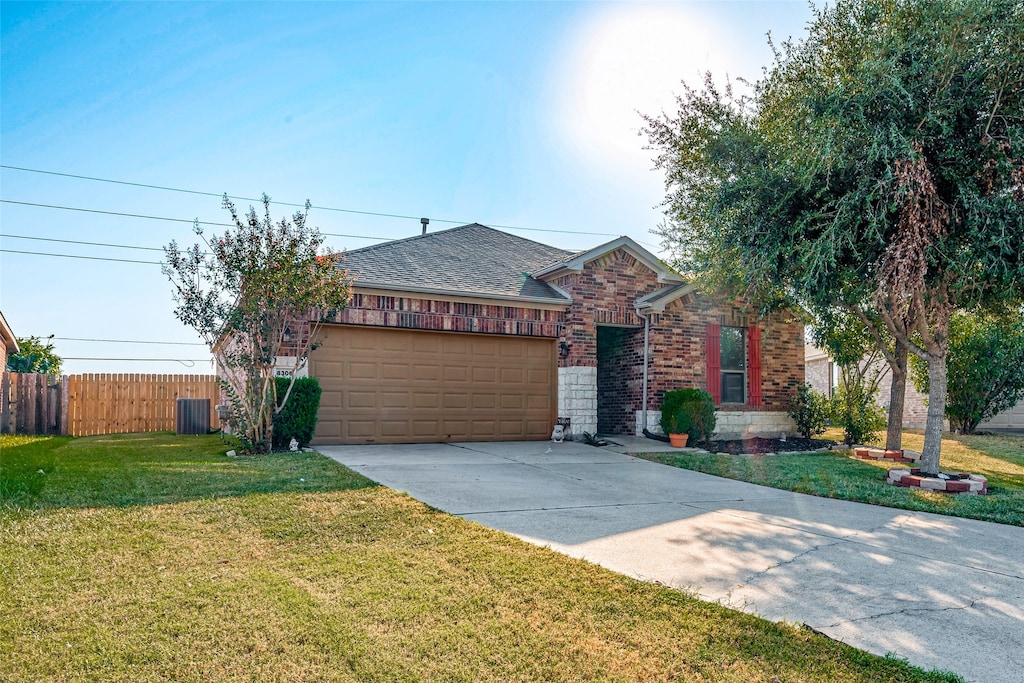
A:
(401, 386)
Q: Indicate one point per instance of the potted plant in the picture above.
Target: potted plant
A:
(690, 412)
(679, 429)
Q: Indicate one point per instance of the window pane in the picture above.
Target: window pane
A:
(732, 387)
(733, 353)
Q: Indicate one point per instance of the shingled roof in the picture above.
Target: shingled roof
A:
(470, 259)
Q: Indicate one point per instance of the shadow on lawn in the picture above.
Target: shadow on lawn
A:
(152, 469)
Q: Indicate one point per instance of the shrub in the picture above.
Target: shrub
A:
(688, 411)
(985, 367)
(298, 417)
(854, 409)
(809, 410)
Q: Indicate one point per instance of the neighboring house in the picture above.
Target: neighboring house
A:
(10, 344)
(823, 377)
(474, 334)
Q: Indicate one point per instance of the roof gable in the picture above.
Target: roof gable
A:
(575, 263)
(467, 260)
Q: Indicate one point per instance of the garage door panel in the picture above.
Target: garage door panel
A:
(538, 376)
(394, 428)
(542, 427)
(394, 371)
(425, 373)
(394, 386)
(357, 429)
(362, 399)
(484, 401)
(426, 399)
(395, 344)
(425, 428)
(539, 403)
(456, 401)
(485, 348)
(358, 370)
(485, 374)
(394, 399)
(512, 351)
(512, 375)
(455, 373)
(485, 428)
(512, 402)
(455, 429)
(457, 346)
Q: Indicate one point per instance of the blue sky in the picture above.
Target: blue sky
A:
(509, 114)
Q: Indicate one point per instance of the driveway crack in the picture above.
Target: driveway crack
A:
(905, 610)
(753, 577)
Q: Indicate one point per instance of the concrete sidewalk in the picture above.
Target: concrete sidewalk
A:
(943, 592)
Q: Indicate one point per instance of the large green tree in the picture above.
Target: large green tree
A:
(258, 294)
(878, 166)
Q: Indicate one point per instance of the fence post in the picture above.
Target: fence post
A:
(5, 404)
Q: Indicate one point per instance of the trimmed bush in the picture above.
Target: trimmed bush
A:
(689, 411)
(810, 411)
(298, 417)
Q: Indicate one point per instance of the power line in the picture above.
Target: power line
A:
(90, 244)
(129, 341)
(114, 213)
(319, 208)
(152, 360)
(84, 258)
(165, 218)
(187, 362)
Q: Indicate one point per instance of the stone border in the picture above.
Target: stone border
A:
(975, 484)
(865, 453)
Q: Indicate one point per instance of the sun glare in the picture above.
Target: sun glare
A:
(631, 59)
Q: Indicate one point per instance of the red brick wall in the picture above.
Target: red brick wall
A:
(620, 358)
(603, 294)
(678, 355)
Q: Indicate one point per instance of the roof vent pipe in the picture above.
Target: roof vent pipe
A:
(424, 222)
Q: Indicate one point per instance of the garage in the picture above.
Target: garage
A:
(385, 385)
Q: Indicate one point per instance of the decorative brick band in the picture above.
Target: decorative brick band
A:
(974, 484)
(450, 316)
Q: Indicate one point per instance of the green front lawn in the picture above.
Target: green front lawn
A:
(835, 475)
(154, 557)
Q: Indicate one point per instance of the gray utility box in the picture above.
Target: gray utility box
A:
(193, 416)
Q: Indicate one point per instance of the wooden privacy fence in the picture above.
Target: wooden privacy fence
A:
(83, 405)
(33, 404)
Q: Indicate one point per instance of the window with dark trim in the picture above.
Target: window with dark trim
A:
(733, 355)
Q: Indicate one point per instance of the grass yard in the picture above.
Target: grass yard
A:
(834, 475)
(153, 557)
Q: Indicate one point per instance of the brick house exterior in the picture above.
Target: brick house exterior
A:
(598, 308)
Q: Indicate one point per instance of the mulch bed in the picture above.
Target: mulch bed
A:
(759, 446)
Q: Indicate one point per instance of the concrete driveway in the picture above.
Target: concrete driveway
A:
(943, 592)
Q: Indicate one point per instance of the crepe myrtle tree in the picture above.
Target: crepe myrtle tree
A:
(259, 291)
(878, 163)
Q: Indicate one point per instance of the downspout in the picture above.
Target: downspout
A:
(647, 350)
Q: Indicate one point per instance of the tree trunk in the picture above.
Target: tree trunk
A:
(936, 414)
(897, 398)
